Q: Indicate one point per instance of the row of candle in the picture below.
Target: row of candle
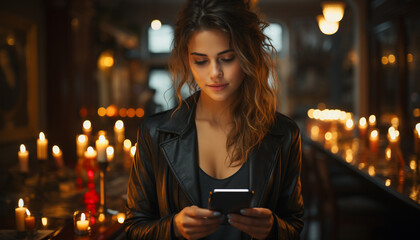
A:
(42, 153)
(326, 126)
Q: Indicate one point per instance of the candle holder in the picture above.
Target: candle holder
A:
(81, 220)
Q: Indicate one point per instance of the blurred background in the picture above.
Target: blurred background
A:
(63, 62)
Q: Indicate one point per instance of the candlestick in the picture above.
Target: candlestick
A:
(29, 221)
(373, 141)
(23, 156)
(81, 144)
(101, 145)
(42, 145)
(58, 156)
(20, 216)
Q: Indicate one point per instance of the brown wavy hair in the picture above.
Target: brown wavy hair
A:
(254, 111)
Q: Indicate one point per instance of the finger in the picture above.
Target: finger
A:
(256, 212)
(196, 221)
(250, 221)
(195, 211)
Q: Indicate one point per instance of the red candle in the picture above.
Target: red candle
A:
(29, 221)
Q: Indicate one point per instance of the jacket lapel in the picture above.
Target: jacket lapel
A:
(261, 166)
(181, 151)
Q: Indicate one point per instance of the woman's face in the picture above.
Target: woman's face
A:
(214, 65)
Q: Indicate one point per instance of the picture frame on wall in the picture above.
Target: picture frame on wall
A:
(19, 105)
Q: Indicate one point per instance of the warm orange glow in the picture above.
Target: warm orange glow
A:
(388, 153)
(20, 202)
(326, 27)
(393, 134)
(119, 124)
(111, 110)
(83, 112)
(416, 112)
(133, 151)
(418, 129)
(102, 111)
(371, 171)
(413, 165)
(123, 112)
(131, 112)
(311, 113)
(121, 217)
(139, 112)
(391, 58)
(328, 136)
(56, 149)
(44, 221)
(349, 124)
(395, 122)
(87, 125)
(81, 138)
(127, 144)
(384, 60)
(41, 136)
(106, 60)
(410, 58)
(374, 134)
(388, 182)
(101, 217)
(28, 213)
(363, 123)
(333, 11)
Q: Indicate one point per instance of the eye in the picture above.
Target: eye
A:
(227, 59)
(202, 62)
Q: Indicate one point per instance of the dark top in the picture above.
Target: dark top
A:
(240, 179)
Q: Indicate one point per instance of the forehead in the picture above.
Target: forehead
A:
(209, 42)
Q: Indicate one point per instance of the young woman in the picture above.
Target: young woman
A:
(226, 135)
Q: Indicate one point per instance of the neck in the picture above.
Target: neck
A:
(214, 112)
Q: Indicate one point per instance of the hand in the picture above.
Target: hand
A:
(194, 222)
(256, 222)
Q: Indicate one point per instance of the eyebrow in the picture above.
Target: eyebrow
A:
(220, 53)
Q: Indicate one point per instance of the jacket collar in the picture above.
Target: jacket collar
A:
(181, 154)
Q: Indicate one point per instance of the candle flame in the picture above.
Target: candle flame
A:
(127, 143)
(121, 217)
(109, 150)
(102, 138)
(133, 150)
(372, 120)
(388, 153)
(28, 213)
(418, 129)
(87, 124)
(83, 217)
(20, 202)
(362, 122)
(349, 123)
(56, 149)
(44, 221)
(22, 148)
(90, 150)
(119, 124)
(41, 136)
(374, 134)
(388, 182)
(81, 138)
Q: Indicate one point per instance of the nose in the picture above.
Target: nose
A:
(215, 70)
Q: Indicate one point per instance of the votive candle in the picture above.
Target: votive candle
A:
(29, 221)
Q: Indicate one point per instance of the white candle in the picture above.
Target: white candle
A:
(58, 156)
(90, 153)
(82, 224)
(20, 216)
(42, 145)
(109, 153)
(119, 131)
(81, 144)
(101, 145)
(23, 156)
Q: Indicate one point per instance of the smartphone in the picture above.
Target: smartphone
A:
(230, 200)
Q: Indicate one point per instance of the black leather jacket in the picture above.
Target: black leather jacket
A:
(164, 176)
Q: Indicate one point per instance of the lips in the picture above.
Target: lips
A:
(218, 86)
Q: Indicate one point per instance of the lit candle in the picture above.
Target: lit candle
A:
(133, 151)
(315, 133)
(90, 153)
(87, 127)
(82, 224)
(42, 145)
(119, 131)
(20, 216)
(373, 141)
(109, 153)
(23, 156)
(362, 127)
(121, 217)
(58, 156)
(29, 221)
(44, 221)
(349, 124)
(127, 145)
(81, 144)
(101, 145)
